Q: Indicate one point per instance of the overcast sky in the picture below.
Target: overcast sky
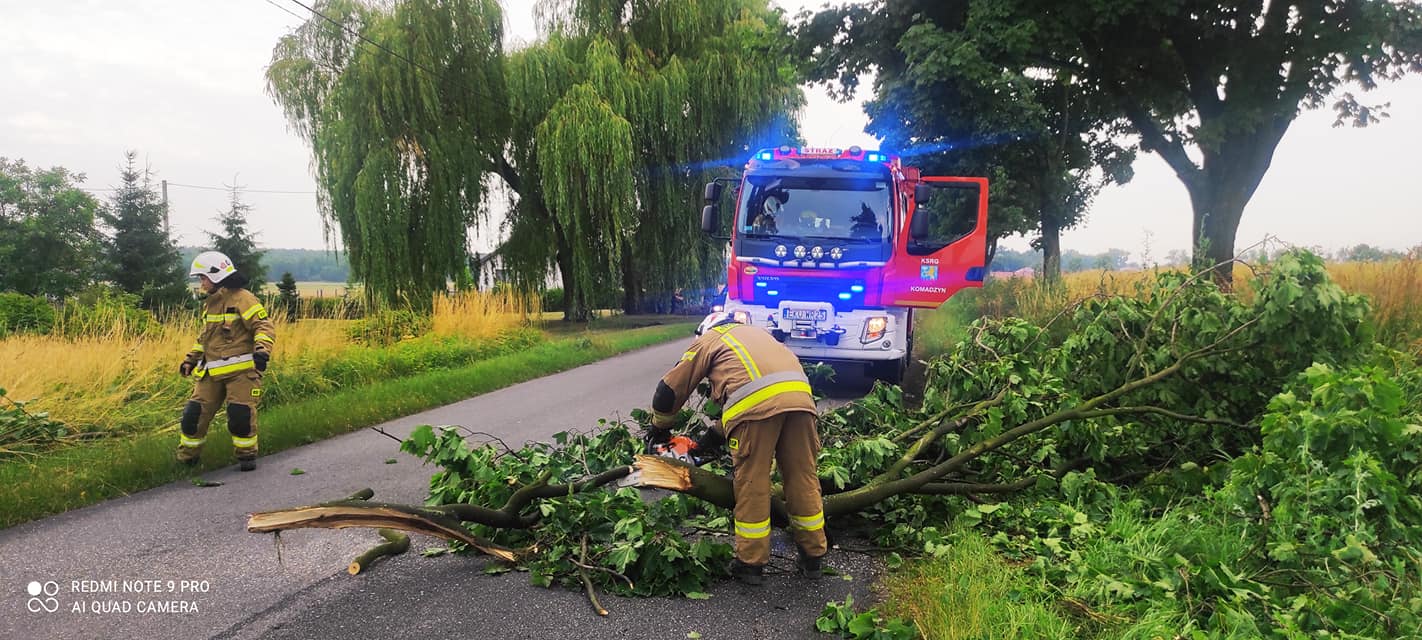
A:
(182, 84)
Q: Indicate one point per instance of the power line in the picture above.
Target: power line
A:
(289, 11)
(239, 189)
(198, 186)
(357, 34)
(432, 74)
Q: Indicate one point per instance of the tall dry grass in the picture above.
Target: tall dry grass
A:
(118, 375)
(479, 314)
(1394, 289)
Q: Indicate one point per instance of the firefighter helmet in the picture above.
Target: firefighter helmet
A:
(714, 320)
(213, 264)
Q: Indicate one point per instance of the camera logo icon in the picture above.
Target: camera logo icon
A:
(48, 603)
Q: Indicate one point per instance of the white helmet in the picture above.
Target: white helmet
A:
(716, 319)
(213, 264)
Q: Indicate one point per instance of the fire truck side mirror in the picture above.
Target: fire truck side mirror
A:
(708, 218)
(712, 192)
(921, 193)
(920, 224)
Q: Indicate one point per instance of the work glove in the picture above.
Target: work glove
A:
(186, 368)
(711, 444)
(260, 359)
(655, 436)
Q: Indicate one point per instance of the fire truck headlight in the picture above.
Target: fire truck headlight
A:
(874, 328)
(836, 253)
(781, 251)
(742, 317)
(817, 253)
(800, 251)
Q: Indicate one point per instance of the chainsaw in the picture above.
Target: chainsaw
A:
(679, 447)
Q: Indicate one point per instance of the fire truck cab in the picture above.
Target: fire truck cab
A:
(832, 250)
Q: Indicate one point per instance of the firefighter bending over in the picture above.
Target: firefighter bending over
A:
(768, 413)
(227, 361)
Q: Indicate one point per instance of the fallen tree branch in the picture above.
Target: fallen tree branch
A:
(395, 544)
(375, 515)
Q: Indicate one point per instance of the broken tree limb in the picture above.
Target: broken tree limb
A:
(395, 544)
(341, 515)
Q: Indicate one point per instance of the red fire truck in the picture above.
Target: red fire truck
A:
(832, 250)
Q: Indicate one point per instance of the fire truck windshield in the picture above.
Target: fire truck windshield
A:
(847, 209)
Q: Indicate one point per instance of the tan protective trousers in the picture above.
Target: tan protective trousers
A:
(242, 392)
(791, 439)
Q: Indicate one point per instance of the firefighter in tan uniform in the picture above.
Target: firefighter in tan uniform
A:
(768, 413)
(227, 361)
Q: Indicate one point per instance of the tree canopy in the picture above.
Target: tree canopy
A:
(599, 133)
(139, 254)
(239, 244)
(48, 245)
(1210, 86)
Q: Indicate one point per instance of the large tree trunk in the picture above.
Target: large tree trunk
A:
(1051, 247)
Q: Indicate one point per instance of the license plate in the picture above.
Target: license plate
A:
(817, 315)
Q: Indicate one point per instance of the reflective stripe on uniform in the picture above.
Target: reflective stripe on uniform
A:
(753, 529)
(757, 391)
(196, 347)
(227, 365)
(808, 523)
(688, 356)
(244, 443)
(262, 337)
(219, 317)
(256, 309)
(744, 354)
(185, 441)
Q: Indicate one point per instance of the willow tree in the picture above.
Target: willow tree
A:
(599, 133)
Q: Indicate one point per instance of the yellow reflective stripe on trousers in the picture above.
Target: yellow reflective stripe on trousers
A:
(185, 441)
(262, 337)
(220, 317)
(244, 443)
(753, 529)
(742, 353)
(256, 309)
(808, 523)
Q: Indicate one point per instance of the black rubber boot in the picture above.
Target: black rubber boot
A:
(190, 462)
(246, 465)
(812, 567)
(747, 573)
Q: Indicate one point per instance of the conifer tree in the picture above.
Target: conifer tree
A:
(141, 257)
(238, 243)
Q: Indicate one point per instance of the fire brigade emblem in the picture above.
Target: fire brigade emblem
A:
(928, 272)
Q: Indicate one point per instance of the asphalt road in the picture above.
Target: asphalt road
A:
(176, 561)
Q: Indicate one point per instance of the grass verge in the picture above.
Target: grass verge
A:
(973, 593)
(80, 476)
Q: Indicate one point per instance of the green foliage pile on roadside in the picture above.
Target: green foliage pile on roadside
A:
(1311, 533)
(22, 432)
(611, 532)
(840, 618)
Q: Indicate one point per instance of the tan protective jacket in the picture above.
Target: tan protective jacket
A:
(235, 325)
(752, 376)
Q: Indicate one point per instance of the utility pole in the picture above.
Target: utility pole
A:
(165, 209)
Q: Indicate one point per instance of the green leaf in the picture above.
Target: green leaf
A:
(431, 552)
(297, 472)
(391, 461)
(698, 595)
